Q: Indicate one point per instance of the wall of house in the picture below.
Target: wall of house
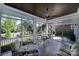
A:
(71, 19)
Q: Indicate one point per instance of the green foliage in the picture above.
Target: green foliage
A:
(8, 27)
(18, 29)
(23, 31)
(28, 26)
(41, 28)
(8, 35)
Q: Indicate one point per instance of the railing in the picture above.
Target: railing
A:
(12, 40)
(7, 41)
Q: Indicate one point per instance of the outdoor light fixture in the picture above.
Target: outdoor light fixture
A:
(46, 13)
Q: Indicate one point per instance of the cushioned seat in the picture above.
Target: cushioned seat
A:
(8, 53)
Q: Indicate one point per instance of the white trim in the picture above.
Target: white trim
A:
(73, 17)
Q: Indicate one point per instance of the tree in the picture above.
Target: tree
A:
(41, 28)
(28, 26)
(8, 27)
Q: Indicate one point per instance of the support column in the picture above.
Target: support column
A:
(47, 28)
(21, 32)
(34, 31)
(0, 33)
(76, 32)
(1, 5)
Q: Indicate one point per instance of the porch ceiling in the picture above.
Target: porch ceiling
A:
(39, 9)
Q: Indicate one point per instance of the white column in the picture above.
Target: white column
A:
(47, 28)
(34, 31)
(21, 32)
(0, 34)
(1, 5)
(76, 32)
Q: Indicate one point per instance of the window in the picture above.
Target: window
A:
(10, 31)
(41, 29)
(27, 31)
(16, 26)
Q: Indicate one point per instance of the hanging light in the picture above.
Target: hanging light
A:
(46, 13)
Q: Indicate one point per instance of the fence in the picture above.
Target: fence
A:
(7, 41)
(12, 40)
